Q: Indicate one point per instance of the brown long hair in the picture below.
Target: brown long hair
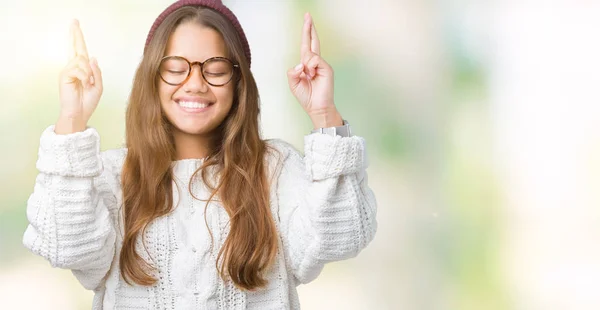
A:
(237, 157)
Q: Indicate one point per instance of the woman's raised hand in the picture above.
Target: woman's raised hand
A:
(311, 81)
(80, 86)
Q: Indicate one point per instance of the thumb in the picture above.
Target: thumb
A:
(294, 75)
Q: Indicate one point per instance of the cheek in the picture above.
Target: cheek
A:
(165, 93)
(225, 95)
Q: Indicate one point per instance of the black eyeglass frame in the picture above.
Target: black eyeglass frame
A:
(201, 64)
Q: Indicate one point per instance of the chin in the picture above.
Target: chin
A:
(193, 130)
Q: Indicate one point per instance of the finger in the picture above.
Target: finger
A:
(305, 45)
(80, 47)
(294, 76)
(82, 63)
(71, 48)
(97, 74)
(315, 44)
(76, 74)
(311, 65)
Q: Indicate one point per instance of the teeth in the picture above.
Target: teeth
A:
(193, 105)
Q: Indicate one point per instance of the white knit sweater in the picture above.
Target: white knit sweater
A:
(322, 206)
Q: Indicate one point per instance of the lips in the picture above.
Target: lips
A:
(192, 104)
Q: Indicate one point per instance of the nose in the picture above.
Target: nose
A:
(196, 82)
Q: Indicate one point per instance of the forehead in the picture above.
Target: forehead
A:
(195, 42)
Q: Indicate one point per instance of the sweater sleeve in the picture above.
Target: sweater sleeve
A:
(69, 212)
(326, 208)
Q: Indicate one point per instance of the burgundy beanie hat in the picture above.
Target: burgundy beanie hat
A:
(216, 5)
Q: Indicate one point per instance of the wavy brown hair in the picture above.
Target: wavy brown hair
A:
(238, 174)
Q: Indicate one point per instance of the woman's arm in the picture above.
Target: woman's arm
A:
(73, 204)
(326, 209)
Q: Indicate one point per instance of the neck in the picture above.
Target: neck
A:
(188, 146)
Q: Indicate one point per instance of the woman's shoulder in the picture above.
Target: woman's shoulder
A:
(284, 159)
(281, 149)
(113, 159)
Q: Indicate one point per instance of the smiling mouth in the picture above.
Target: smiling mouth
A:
(193, 104)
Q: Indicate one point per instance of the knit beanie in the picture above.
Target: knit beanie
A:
(216, 5)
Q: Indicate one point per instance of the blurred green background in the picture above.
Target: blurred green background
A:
(481, 119)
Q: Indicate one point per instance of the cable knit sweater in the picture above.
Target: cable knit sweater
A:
(322, 206)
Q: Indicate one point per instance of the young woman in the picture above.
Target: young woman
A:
(198, 212)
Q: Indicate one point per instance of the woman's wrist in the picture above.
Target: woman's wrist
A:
(327, 118)
(67, 125)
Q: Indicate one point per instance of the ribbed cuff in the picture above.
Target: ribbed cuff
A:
(329, 156)
(71, 155)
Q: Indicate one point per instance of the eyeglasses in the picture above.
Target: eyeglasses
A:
(176, 70)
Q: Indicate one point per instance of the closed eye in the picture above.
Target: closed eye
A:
(215, 73)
